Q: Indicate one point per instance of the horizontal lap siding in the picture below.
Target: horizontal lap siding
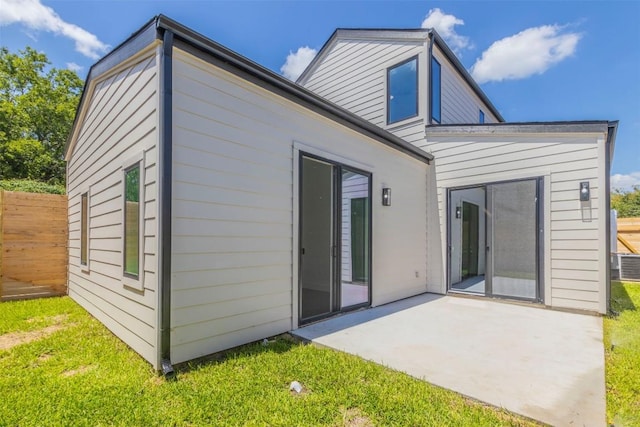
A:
(354, 75)
(232, 227)
(460, 103)
(120, 123)
(575, 246)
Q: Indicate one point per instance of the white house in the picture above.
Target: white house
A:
(213, 203)
(522, 207)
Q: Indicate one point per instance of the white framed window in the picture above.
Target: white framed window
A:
(402, 90)
(133, 223)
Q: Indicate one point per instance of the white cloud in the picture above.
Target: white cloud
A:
(445, 26)
(37, 16)
(297, 62)
(625, 181)
(74, 67)
(532, 51)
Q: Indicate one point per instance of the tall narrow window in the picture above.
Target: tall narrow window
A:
(435, 87)
(84, 228)
(402, 91)
(481, 117)
(132, 221)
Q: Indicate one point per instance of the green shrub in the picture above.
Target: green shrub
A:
(30, 186)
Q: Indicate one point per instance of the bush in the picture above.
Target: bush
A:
(30, 186)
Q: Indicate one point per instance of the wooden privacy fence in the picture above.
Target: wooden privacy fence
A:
(628, 235)
(33, 245)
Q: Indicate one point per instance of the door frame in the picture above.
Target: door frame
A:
(338, 167)
(540, 239)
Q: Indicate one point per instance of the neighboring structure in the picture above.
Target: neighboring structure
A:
(510, 221)
(213, 203)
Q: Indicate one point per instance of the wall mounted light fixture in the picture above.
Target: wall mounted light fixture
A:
(585, 193)
(458, 212)
(386, 197)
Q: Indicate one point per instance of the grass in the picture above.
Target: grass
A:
(622, 355)
(75, 372)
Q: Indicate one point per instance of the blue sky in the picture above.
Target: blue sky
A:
(537, 61)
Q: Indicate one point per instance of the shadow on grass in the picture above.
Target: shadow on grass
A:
(279, 344)
(620, 299)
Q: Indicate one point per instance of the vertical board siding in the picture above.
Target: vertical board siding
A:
(120, 124)
(233, 234)
(564, 161)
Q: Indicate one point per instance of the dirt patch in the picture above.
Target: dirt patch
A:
(49, 319)
(80, 370)
(13, 339)
(353, 417)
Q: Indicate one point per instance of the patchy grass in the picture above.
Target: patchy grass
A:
(622, 355)
(82, 375)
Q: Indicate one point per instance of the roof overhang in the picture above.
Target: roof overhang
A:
(560, 127)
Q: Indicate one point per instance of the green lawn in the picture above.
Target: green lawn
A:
(622, 355)
(75, 372)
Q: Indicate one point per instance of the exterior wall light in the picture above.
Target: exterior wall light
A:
(386, 197)
(458, 212)
(585, 193)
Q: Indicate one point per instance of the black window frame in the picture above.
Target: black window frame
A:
(417, 97)
(436, 118)
(84, 230)
(136, 276)
(480, 116)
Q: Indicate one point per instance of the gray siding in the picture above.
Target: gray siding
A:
(119, 123)
(574, 230)
(235, 205)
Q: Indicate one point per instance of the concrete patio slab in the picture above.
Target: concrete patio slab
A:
(544, 364)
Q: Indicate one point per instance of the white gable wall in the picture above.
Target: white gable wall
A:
(118, 125)
(353, 75)
(575, 261)
(234, 230)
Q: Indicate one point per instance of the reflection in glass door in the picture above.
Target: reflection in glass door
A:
(335, 244)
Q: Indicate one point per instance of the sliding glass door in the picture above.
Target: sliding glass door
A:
(495, 239)
(335, 244)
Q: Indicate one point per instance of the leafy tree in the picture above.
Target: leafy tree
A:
(627, 203)
(37, 107)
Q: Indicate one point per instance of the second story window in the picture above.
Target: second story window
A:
(435, 90)
(402, 91)
(481, 117)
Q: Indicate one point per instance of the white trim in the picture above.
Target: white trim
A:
(128, 281)
(546, 209)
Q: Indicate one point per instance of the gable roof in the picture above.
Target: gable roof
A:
(397, 34)
(155, 28)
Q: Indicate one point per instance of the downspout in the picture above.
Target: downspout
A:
(611, 135)
(429, 102)
(166, 173)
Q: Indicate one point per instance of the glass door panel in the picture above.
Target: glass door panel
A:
(513, 239)
(354, 265)
(317, 239)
